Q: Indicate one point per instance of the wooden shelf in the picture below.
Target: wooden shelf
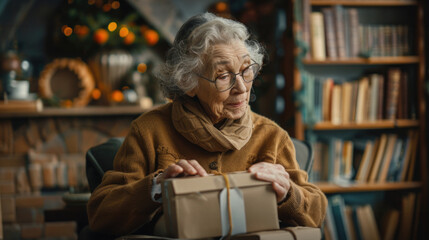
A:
(369, 3)
(365, 61)
(330, 188)
(383, 124)
(79, 112)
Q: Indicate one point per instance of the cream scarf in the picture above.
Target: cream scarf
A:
(194, 124)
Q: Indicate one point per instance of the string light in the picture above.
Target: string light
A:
(68, 31)
(112, 26)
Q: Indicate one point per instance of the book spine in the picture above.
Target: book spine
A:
(330, 39)
(317, 36)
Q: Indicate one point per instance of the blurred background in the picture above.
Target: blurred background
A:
(35, 33)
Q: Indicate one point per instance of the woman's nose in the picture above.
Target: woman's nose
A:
(240, 84)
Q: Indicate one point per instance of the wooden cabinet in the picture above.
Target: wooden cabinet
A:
(389, 39)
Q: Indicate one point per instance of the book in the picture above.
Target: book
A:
(348, 211)
(338, 212)
(392, 92)
(387, 158)
(330, 38)
(361, 100)
(328, 85)
(389, 224)
(373, 96)
(338, 12)
(405, 160)
(347, 160)
(407, 216)
(378, 158)
(415, 143)
(352, 15)
(403, 97)
(13, 106)
(380, 95)
(346, 105)
(336, 105)
(396, 157)
(367, 223)
(317, 36)
(365, 163)
(330, 225)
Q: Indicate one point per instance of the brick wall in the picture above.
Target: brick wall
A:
(40, 160)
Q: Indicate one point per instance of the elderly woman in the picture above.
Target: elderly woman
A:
(207, 128)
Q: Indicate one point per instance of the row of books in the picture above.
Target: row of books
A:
(373, 97)
(388, 158)
(359, 222)
(335, 32)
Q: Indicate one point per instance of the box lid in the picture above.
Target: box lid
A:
(213, 182)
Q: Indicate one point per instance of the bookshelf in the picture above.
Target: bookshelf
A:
(383, 120)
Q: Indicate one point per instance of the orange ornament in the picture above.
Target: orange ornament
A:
(96, 94)
(101, 36)
(130, 38)
(151, 37)
(82, 31)
(117, 96)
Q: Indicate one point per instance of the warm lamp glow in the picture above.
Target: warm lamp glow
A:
(123, 32)
(112, 26)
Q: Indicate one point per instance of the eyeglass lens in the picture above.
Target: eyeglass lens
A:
(226, 81)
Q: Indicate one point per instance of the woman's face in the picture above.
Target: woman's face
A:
(230, 104)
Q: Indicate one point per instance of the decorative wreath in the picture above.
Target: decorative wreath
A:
(79, 68)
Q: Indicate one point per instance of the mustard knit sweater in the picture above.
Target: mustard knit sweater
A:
(122, 203)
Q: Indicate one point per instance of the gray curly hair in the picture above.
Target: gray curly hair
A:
(192, 43)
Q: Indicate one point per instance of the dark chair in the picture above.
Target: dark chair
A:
(304, 154)
(99, 159)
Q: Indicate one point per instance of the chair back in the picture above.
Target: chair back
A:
(99, 159)
(304, 154)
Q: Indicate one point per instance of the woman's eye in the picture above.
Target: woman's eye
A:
(224, 77)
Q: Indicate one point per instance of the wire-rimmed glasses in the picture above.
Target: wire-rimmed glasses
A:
(226, 81)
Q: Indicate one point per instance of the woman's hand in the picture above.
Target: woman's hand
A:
(274, 173)
(182, 168)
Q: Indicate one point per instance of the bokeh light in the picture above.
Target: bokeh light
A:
(112, 26)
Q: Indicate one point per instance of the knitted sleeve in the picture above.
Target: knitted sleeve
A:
(305, 203)
(122, 202)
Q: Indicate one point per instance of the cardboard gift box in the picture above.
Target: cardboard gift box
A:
(290, 233)
(201, 207)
